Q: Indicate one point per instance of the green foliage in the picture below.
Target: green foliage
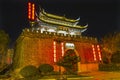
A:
(54, 73)
(29, 71)
(109, 67)
(45, 68)
(115, 58)
(68, 60)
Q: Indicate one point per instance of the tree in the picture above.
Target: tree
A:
(4, 41)
(45, 68)
(68, 60)
(110, 45)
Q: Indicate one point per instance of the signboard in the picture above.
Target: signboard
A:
(70, 45)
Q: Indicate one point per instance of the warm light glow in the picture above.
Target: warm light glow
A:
(42, 30)
(99, 53)
(33, 11)
(70, 45)
(93, 48)
(54, 48)
(51, 30)
(72, 33)
(29, 10)
(62, 48)
(64, 32)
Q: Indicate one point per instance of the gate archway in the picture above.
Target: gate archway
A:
(77, 54)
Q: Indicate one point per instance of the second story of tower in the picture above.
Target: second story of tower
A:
(44, 21)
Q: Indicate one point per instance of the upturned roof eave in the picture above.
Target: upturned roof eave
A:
(59, 17)
(77, 26)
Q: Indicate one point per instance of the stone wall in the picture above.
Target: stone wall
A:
(35, 48)
(89, 67)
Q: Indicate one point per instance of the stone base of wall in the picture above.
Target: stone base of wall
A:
(83, 67)
(89, 67)
(58, 68)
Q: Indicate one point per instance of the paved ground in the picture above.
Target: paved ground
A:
(96, 75)
(101, 75)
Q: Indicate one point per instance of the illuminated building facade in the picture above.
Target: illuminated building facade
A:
(48, 39)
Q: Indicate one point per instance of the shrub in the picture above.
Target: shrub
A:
(108, 67)
(37, 77)
(54, 73)
(105, 60)
(29, 71)
(45, 68)
(116, 58)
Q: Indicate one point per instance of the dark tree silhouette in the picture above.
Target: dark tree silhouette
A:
(68, 60)
(110, 45)
(4, 41)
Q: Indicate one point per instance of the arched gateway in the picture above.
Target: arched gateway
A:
(71, 47)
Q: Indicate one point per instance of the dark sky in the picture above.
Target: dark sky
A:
(102, 16)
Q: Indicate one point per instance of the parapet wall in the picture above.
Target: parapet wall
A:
(37, 33)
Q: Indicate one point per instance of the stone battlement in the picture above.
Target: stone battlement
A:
(28, 32)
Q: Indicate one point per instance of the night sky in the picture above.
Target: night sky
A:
(102, 16)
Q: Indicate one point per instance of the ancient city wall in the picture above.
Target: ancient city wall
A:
(35, 48)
